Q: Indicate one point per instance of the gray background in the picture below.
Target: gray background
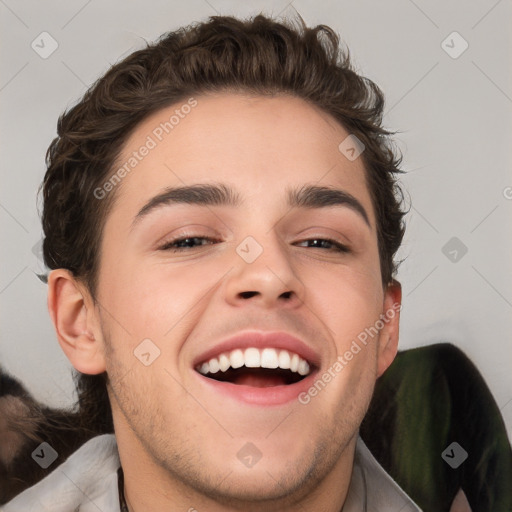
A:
(454, 118)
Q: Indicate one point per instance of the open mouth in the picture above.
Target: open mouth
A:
(256, 368)
(258, 378)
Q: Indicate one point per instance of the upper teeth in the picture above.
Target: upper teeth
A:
(256, 358)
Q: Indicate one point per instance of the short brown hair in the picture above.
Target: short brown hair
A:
(259, 56)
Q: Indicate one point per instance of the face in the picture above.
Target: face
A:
(190, 290)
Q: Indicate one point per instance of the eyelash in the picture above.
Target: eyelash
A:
(170, 246)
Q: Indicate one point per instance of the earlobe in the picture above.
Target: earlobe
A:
(73, 316)
(388, 340)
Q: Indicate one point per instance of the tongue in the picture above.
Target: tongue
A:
(259, 381)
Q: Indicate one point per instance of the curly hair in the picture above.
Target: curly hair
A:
(257, 56)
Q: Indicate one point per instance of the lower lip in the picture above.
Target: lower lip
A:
(274, 395)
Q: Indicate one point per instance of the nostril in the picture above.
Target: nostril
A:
(248, 295)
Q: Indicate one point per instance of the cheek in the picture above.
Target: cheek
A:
(348, 298)
(150, 299)
(349, 302)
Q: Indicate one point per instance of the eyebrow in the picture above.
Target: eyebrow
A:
(219, 194)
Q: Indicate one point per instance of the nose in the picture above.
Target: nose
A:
(269, 280)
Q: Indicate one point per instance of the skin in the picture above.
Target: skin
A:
(178, 440)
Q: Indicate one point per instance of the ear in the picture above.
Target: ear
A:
(388, 339)
(74, 317)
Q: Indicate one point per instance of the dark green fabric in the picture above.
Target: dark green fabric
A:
(427, 399)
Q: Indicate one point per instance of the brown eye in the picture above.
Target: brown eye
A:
(185, 243)
(326, 243)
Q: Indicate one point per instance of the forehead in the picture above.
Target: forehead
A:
(261, 146)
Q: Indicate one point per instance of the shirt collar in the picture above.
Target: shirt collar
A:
(372, 488)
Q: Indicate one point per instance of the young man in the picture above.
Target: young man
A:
(221, 218)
